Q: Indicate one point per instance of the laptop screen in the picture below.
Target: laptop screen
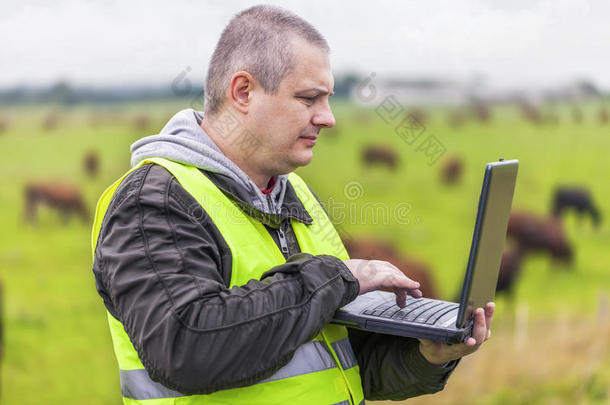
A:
(488, 240)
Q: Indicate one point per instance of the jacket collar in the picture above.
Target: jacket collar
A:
(292, 207)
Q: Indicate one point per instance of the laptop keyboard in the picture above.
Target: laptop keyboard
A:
(418, 310)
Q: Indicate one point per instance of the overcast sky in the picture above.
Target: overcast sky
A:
(102, 42)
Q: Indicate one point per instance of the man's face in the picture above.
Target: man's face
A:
(287, 124)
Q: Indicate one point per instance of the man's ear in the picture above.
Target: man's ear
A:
(240, 89)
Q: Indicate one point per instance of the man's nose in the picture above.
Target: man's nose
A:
(324, 117)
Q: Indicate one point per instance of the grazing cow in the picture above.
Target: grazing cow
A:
(91, 163)
(141, 122)
(4, 124)
(510, 269)
(533, 233)
(531, 113)
(577, 198)
(62, 196)
(380, 154)
(373, 249)
(419, 115)
(50, 121)
(452, 169)
(481, 112)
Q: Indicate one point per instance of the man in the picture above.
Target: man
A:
(220, 271)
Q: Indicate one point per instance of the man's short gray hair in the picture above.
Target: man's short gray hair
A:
(257, 40)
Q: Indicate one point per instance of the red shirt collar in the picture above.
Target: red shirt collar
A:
(269, 186)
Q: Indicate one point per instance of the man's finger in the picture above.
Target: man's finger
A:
(489, 314)
(479, 329)
(401, 297)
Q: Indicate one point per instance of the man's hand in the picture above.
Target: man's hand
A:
(377, 274)
(441, 353)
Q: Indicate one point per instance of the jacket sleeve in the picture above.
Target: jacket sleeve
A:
(392, 367)
(162, 271)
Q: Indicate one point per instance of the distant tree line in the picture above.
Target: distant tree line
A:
(65, 93)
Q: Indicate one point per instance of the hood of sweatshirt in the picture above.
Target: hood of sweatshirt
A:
(183, 140)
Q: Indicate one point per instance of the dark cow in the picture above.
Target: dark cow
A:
(373, 249)
(533, 233)
(451, 171)
(419, 115)
(91, 163)
(576, 198)
(62, 196)
(380, 154)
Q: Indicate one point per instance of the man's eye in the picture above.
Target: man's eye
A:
(308, 99)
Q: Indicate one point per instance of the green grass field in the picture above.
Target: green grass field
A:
(57, 348)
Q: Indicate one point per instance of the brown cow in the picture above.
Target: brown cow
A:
(451, 172)
(419, 115)
(91, 163)
(531, 113)
(60, 195)
(141, 122)
(4, 124)
(373, 249)
(481, 112)
(380, 154)
(510, 269)
(533, 233)
(457, 118)
(50, 121)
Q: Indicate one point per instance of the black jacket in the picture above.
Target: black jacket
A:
(163, 269)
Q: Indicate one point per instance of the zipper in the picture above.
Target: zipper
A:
(282, 237)
(280, 233)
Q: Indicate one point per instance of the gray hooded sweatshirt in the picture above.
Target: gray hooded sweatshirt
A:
(183, 140)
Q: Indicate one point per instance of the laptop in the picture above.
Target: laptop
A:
(444, 321)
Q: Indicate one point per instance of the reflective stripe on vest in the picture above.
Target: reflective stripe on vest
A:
(345, 353)
(324, 370)
(309, 358)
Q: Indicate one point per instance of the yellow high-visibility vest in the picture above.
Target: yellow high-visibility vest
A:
(322, 371)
